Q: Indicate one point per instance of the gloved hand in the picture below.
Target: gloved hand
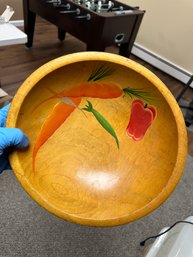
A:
(10, 139)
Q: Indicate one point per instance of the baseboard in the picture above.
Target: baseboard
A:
(162, 64)
(150, 57)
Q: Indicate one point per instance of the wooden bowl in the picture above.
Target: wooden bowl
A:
(108, 142)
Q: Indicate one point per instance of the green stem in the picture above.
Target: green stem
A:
(104, 123)
(100, 73)
(139, 93)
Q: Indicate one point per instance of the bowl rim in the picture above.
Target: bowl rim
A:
(59, 62)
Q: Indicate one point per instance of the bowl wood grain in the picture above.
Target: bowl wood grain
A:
(104, 167)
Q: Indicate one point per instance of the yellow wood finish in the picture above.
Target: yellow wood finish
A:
(81, 175)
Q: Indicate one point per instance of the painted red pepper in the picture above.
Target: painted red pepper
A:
(142, 116)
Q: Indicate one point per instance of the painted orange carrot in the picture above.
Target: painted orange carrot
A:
(102, 90)
(96, 87)
(59, 114)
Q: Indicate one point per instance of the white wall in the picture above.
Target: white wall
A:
(167, 30)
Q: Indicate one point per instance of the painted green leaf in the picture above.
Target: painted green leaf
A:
(104, 123)
(100, 73)
(139, 93)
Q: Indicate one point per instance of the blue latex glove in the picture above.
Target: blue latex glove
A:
(10, 139)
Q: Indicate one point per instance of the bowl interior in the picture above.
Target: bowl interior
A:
(99, 167)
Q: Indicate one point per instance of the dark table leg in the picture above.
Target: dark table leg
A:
(125, 48)
(29, 23)
(61, 34)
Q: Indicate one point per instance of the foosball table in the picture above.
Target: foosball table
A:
(98, 23)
